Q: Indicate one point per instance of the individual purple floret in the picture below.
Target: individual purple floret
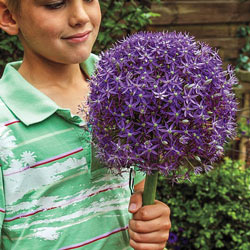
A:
(161, 101)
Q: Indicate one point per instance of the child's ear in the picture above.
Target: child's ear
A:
(7, 20)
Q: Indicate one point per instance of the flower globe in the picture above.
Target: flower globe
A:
(163, 103)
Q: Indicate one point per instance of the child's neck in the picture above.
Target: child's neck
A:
(64, 84)
(48, 74)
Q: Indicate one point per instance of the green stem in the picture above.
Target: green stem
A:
(149, 192)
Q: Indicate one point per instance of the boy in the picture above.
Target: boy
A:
(50, 197)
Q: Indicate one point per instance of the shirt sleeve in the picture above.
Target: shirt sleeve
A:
(139, 176)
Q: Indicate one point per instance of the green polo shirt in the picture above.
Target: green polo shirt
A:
(49, 196)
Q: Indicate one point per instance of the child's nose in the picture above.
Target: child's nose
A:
(78, 13)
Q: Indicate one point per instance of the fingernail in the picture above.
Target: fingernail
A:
(132, 207)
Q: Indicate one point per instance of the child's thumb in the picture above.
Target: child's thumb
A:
(135, 202)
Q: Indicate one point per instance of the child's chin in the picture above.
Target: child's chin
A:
(79, 59)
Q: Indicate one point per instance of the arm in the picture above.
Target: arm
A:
(150, 225)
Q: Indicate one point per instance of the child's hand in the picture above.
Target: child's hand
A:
(149, 228)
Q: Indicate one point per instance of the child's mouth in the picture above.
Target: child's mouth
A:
(79, 37)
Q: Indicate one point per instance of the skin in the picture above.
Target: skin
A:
(150, 225)
(44, 31)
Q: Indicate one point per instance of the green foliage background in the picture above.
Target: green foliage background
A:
(10, 49)
(243, 60)
(212, 211)
(119, 18)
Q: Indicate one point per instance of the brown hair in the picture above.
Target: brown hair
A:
(13, 5)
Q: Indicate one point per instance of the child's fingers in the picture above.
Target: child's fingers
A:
(135, 202)
(151, 212)
(147, 246)
(149, 226)
(152, 237)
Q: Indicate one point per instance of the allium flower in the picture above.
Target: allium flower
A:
(161, 101)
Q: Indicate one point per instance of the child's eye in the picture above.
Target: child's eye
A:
(56, 5)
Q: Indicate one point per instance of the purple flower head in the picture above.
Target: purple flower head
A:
(161, 101)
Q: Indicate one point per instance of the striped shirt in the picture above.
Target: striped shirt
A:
(50, 198)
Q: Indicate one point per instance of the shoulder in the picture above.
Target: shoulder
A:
(6, 120)
(7, 138)
(89, 64)
(6, 82)
(6, 116)
(93, 58)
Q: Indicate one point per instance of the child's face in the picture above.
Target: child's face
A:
(61, 31)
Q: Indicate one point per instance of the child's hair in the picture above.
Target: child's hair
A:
(13, 5)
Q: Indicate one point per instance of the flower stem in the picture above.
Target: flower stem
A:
(149, 192)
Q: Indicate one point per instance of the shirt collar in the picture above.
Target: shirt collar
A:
(28, 103)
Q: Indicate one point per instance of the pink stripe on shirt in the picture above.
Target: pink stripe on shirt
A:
(54, 158)
(87, 242)
(2, 210)
(9, 122)
(66, 203)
